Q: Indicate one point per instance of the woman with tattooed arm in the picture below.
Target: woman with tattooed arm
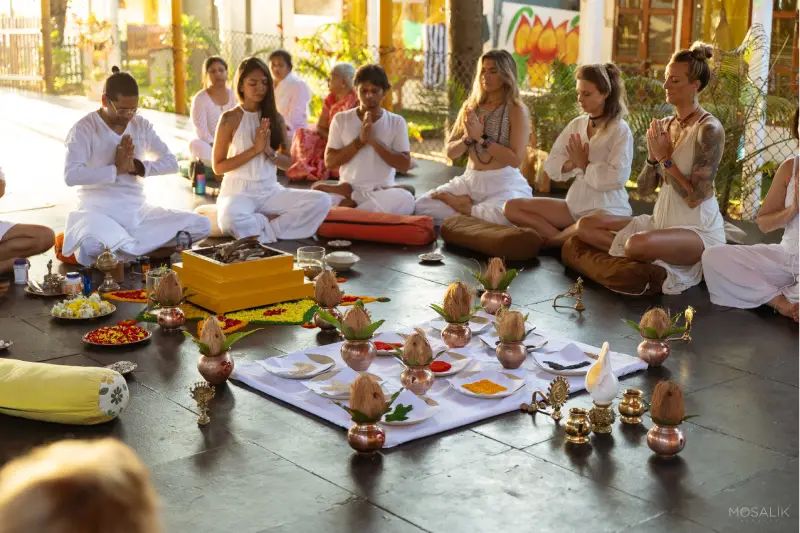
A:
(684, 152)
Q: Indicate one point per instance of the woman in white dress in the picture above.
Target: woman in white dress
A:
(684, 152)
(246, 150)
(208, 105)
(750, 276)
(596, 148)
(292, 95)
(493, 129)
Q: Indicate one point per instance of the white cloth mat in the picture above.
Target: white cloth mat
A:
(456, 409)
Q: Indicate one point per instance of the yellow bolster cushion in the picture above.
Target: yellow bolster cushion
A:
(64, 394)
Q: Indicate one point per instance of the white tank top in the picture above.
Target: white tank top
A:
(259, 169)
(790, 233)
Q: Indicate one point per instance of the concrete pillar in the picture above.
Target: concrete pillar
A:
(47, 47)
(591, 32)
(178, 59)
(115, 56)
(754, 136)
(373, 27)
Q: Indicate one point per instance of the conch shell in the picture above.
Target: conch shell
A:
(601, 382)
(495, 272)
(169, 291)
(417, 350)
(366, 396)
(212, 336)
(326, 291)
(357, 319)
(457, 300)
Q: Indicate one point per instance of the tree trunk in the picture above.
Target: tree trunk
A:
(465, 39)
(58, 12)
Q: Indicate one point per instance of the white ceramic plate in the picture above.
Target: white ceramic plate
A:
(341, 260)
(476, 325)
(298, 365)
(568, 355)
(335, 384)
(123, 367)
(389, 338)
(422, 408)
(432, 257)
(512, 382)
(491, 337)
(339, 244)
(457, 361)
(113, 308)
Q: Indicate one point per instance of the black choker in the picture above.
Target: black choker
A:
(594, 124)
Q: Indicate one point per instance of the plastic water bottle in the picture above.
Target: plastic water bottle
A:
(200, 183)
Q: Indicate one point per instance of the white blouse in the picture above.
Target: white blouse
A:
(292, 96)
(205, 114)
(602, 186)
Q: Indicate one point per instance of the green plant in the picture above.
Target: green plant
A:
(360, 418)
(502, 285)
(229, 341)
(652, 334)
(554, 107)
(455, 320)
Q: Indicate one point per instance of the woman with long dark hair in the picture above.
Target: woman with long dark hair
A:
(750, 276)
(492, 128)
(596, 148)
(208, 105)
(683, 154)
(251, 144)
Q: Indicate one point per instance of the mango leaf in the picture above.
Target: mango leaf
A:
(357, 416)
(399, 413)
(236, 337)
(368, 331)
(439, 354)
(392, 398)
(397, 353)
(650, 333)
(675, 319)
(689, 417)
(327, 317)
(632, 324)
(675, 331)
(438, 309)
(204, 348)
(529, 332)
(483, 281)
(507, 279)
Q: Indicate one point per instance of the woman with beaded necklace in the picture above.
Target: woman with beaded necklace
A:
(684, 153)
(493, 129)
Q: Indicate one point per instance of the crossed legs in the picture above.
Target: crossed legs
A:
(22, 241)
(675, 246)
(550, 217)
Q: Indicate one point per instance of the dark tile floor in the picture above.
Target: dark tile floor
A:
(263, 466)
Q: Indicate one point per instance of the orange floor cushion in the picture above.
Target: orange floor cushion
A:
(510, 242)
(619, 274)
(59, 246)
(348, 223)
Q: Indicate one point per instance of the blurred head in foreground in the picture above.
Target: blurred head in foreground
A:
(78, 487)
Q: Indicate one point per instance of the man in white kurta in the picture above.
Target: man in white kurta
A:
(112, 212)
(372, 179)
(292, 96)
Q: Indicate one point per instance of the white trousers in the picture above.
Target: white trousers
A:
(394, 200)
(489, 190)
(750, 276)
(88, 233)
(202, 150)
(245, 208)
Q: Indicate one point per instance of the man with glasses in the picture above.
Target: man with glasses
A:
(106, 161)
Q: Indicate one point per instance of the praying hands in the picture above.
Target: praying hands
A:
(578, 152)
(474, 125)
(658, 142)
(123, 159)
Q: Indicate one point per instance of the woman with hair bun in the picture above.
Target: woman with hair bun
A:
(683, 155)
(208, 105)
(596, 148)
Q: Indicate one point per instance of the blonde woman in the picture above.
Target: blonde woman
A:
(78, 487)
(683, 154)
(493, 129)
(596, 148)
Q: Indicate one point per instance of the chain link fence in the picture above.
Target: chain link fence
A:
(430, 85)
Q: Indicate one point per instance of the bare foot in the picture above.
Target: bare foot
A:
(347, 202)
(785, 307)
(460, 203)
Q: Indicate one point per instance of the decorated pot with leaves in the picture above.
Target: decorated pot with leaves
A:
(368, 405)
(215, 363)
(666, 441)
(511, 350)
(457, 311)
(495, 281)
(358, 351)
(657, 328)
(171, 318)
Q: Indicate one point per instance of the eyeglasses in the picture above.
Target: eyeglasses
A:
(125, 112)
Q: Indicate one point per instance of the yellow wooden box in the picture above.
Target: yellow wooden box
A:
(196, 261)
(249, 299)
(213, 286)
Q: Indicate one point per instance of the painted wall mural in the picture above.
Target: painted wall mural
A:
(536, 36)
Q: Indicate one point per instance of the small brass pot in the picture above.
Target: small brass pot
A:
(171, 318)
(632, 406)
(666, 441)
(358, 355)
(215, 369)
(511, 354)
(653, 352)
(456, 335)
(417, 379)
(322, 324)
(366, 438)
(493, 301)
(578, 426)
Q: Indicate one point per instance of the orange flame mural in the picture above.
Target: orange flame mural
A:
(537, 44)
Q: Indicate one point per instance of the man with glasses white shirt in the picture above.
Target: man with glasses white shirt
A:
(106, 161)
